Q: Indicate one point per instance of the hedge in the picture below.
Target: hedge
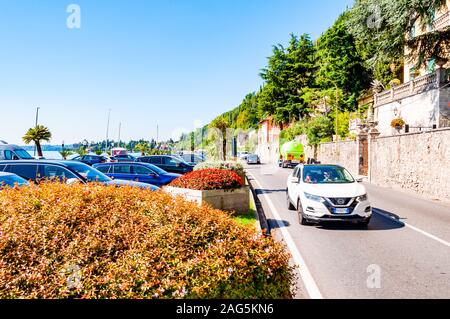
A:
(228, 165)
(73, 241)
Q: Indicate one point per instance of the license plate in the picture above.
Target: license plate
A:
(341, 211)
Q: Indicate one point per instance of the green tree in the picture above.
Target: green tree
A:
(340, 64)
(65, 153)
(221, 124)
(81, 151)
(319, 130)
(143, 148)
(385, 27)
(37, 135)
(288, 72)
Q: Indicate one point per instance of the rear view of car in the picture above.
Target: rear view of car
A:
(253, 159)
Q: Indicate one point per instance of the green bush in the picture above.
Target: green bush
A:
(73, 241)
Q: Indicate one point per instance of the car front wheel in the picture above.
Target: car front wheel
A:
(288, 202)
(301, 218)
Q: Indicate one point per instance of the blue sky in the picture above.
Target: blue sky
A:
(172, 63)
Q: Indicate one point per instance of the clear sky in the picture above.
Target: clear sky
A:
(172, 63)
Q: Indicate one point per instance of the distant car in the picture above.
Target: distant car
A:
(243, 155)
(168, 163)
(139, 172)
(11, 180)
(192, 159)
(91, 159)
(122, 158)
(253, 159)
(64, 171)
(13, 152)
(322, 193)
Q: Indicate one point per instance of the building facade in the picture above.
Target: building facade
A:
(268, 141)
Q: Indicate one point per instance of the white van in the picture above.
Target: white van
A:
(13, 152)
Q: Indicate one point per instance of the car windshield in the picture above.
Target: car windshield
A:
(23, 154)
(156, 169)
(326, 175)
(87, 172)
(12, 180)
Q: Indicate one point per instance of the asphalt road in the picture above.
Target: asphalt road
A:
(404, 253)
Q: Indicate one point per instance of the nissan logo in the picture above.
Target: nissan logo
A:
(341, 201)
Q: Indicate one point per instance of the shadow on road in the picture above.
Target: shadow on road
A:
(273, 223)
(270, 191)
(377, 223)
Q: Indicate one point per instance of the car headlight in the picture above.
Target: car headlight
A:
(362, 198)
(314, 198)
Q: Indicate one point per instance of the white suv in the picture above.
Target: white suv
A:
(327, 193)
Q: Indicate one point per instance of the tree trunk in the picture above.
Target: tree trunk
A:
(224, 148)
(39, 149)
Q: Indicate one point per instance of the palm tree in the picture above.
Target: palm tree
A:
(81, 151)
(98, 152)
(37, 135)
(221, 124)
(65, 153)
(143, 148)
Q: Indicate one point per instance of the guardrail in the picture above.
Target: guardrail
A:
(421, 84)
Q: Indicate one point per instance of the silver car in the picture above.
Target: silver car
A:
(253, 159)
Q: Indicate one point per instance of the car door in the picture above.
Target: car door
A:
(29, 172)
(58, 174)
(293, 184)
(157, 160)
(172, 165)
(124, 172)
(145, 175)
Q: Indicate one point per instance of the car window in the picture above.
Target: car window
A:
(2, 167)
(104, 169)
(295, 174)
(155, 160)
(122, 169)
(8, 155)
(141, 170)
(27, 171)
(171, 161)
(326, 175)
(57, 173)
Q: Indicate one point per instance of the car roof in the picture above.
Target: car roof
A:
(6, 174)
(54, 162)
(120, 163)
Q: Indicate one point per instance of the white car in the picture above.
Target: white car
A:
(327, 193)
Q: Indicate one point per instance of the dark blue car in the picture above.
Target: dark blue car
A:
(139, 172)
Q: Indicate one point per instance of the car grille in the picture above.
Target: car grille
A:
(340, 201)
(330, 207)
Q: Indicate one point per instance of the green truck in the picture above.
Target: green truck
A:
(291, 154)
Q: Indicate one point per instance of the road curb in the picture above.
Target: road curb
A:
(260, 214)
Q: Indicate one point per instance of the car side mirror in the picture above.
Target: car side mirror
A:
(112, 177)
(295, 180)
(359, 180)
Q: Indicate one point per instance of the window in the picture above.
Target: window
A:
(8, 155)
(326, 175)
(122, 169)
(23, 154)
(2, 168)
(87, 172)
(171, 161)
(155, 160)
(57, 173)
(431, 65)
(27, 171)
(104, 169)
(140, 170)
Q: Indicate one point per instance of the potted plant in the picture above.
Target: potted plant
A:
(398, 123)
(221, 189)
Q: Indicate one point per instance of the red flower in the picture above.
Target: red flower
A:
(209, 179)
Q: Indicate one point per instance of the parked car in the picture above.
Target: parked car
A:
(168, 163)
(327, 193)
(122, 158)
(64, 171)
(13, 152)
(253, 159)
(192, 159)
(243, 155)
(11, 180)
(139, 172)
(91, 159)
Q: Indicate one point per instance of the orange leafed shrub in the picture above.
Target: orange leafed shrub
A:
(73, 241)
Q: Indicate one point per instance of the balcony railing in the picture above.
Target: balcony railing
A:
(443, 21)
(419, 85)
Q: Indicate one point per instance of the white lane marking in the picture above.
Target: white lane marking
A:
(446, 243)
(308, 280)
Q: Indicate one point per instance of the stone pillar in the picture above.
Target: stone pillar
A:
(373, 134)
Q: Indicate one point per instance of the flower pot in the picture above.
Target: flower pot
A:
(236, 201)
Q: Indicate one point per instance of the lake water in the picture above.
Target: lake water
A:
(56, 155)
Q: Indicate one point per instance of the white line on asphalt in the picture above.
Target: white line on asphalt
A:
(308, 280)
(446, 243)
